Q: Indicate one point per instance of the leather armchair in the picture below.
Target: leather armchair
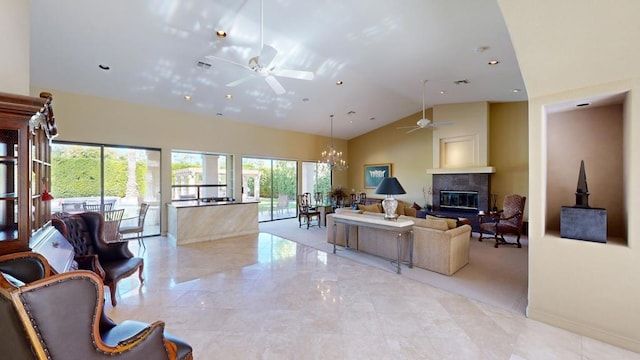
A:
(61, 316)
(111, 261)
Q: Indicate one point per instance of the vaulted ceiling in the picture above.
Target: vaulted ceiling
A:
(160, 51)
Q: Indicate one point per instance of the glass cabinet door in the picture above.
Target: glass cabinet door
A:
(9, 184)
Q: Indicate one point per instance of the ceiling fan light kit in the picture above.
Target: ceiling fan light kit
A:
(262, 65)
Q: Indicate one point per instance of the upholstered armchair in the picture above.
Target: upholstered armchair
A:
(506, 221)
(61, 316)
(110, 261)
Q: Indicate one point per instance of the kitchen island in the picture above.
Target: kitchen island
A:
(197, 221)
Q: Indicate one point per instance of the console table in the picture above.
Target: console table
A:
(400, 227)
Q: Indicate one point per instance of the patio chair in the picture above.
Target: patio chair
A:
(139, 227)
(72, 206)
(112, 220)
(283, 203)
(98, 207)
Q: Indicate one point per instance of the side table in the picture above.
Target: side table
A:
(481, 219)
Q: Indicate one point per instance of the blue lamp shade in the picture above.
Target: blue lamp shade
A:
(390, 186)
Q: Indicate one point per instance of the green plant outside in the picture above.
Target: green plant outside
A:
(76, 173)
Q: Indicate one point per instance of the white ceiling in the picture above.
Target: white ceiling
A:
(380, 49)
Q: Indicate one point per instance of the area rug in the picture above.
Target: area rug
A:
(496, 276)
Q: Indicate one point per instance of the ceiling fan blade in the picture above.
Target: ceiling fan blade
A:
(267, 55)
(240, 81)
(438, 124)
(211, 57)
(294, 74)
(412, 130)
(275, 85)
(406, 127)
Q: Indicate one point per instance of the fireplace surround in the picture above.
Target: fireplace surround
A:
(479, 183)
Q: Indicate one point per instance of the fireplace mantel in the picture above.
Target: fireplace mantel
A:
(468, 170)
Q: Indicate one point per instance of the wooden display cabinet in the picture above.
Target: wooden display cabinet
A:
(26, 127)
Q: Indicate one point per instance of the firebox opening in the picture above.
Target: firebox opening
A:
(464, 200)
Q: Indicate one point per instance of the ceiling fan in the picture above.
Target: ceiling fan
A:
(260, 65)
(424, 123)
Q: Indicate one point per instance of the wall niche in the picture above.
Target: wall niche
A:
(590, 130)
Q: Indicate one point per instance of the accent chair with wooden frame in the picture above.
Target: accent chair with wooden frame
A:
(112, 261)
(61, 316)
(306, 211)
(507, 221)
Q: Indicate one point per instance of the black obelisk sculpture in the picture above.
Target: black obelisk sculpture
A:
(582, 192)
(582, 222)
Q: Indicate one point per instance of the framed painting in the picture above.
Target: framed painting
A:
(374, 173)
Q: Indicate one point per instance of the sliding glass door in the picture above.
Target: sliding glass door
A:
(316, 178)
(86, 176)
(273, 183)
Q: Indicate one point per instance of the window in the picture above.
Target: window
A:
(273, 183)
(201, 176)
(316, 178)
(113, 177)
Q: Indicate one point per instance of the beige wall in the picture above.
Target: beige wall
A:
(509, 149)
(571, 50)
(97, 120)
(14, 27)
(410, 156)
(595, 136)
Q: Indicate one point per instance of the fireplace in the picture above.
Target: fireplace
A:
(458, 200)
(461, 195)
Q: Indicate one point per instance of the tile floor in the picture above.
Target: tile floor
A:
(265, 297)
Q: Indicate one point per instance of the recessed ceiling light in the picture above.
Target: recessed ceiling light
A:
(461, 82)
(219, 114)
(339, 82)
(351, 112)
(187, 97)
(583, 104)
(104, 67)
(372, 118)
(494, 62)
(442, 92)
(221, 34)
(516, 90)
(228, 96)
(305, 99)
(481, 49)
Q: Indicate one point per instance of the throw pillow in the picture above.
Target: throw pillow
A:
(438, 224)
(371, 208)
(416, 206)
(451, 223)
(400, 208)
(410, 211)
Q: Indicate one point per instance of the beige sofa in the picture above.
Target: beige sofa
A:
(436, 247)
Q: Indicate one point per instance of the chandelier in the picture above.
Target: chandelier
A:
(331, 156)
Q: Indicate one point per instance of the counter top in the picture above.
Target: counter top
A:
(196, 203)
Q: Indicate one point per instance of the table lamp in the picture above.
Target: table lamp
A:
(390, 186)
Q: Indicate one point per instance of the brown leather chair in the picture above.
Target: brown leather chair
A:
(111, 261)
(506, 221)
(61, 316)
